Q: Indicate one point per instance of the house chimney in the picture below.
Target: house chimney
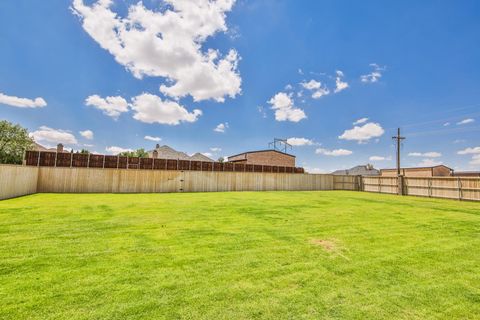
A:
(59, 148)
(155, 154)
(157, 146)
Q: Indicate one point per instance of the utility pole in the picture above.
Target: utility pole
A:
(398, 140)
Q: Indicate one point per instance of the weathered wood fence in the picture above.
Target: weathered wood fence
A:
(21, 180)
(460, 188)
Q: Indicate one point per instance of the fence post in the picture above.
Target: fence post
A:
(430, 187)
(38, 161)
(118, 161)
(400, 183)
(460, 191)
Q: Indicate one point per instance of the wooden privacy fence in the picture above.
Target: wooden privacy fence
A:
(21, 180)
(81, 160)
(460, 188)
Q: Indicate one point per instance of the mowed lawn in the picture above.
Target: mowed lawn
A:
(263, 255)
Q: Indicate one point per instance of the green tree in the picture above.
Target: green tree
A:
(221, 159)
(14, 141)
(83, 151)
(141, 153)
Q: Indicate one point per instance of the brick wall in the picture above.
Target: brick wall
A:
(269, 157)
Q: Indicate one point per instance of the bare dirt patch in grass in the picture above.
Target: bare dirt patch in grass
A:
(331, 246)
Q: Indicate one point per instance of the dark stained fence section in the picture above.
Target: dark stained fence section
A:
(80, 160)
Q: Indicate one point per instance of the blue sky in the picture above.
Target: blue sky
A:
(263, 69)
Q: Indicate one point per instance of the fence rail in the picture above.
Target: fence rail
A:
(81, 160)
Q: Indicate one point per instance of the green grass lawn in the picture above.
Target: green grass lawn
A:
(265, 255)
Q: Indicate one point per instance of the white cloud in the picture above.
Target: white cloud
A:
(215, 149)
(288, 87)
(379, 158)
(429, 163)
(466, 121)
(446, 124)
(317, 88)
(150, 138)
(475, 160)
(221, 127)
(207, 154)
(474, 150)
(117, 150)
(315, 170)
(150, 108)
(333, 153)
(168, 43)
(373, 76)
(22, 102)
(300, 142)
(284, 108)
(363, 133)
(340, 85)
(111, 106)
(425, 154)
(87, 134)
(311, 85)
(360, 121)
(55, 136)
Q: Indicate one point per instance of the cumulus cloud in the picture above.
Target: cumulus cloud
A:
(475, 160)
(379, 158)
(340, 85)
(429, 163)
(22, 102)
(311, 85)
(87, 134)
(333, 153)
(285, 109)
(150, 138)
(117, 150)
(150, 108)
(466, 121)
(221, 127)
(300, 142)
(425, 154)
(318, 89)
(360, 121)
(55, 136)
(315, 170)
(363, 133)
(168, 43)
(110, 106)
(373, 76)
(474, 150)
(215, 149)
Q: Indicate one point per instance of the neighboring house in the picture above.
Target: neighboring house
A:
(264, 157)
(166, 152)
(466, 174)
(39, 147)
(362, 170)
(435, 171)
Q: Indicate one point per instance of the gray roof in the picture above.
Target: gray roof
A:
(166, 152)
(363, 170)
(200, 157)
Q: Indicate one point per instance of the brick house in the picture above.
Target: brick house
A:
(435, 171)
(264, 157)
